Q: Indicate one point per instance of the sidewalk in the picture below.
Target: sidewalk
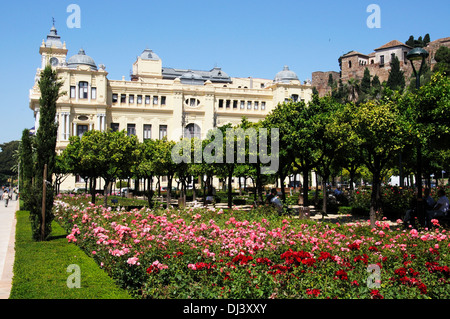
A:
(7, 241)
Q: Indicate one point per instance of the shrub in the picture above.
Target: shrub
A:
(215, 253)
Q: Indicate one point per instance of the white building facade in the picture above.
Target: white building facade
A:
(156, 101)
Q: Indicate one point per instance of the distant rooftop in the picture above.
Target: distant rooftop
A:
(393, 43)
(215, 75)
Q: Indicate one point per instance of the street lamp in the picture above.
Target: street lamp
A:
(418, 54)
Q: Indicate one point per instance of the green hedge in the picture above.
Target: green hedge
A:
(40, 268)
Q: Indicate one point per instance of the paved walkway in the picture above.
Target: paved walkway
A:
(7, 241)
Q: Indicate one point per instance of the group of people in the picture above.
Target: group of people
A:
(434, 209)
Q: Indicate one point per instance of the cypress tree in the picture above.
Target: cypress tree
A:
(45, 143)
(365, 84)
(396, 80)
(26, 167)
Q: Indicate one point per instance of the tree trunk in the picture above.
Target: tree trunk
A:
(375, 198)
(230, 188)
(149, 192)
(305, 187)
(283, 191)
(105, 191)
(169, 190)
(258, 182)
(324, 194)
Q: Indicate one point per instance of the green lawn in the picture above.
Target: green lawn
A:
(40, 268)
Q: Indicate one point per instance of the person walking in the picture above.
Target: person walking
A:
(5, 197)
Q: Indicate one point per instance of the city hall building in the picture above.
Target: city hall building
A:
(156, 101)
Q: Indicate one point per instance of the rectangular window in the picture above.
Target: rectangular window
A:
(94, 93)
(139, 99)
(220, 103)
(163, 100)
(263, 105)
(73, 92)
(249, 105)
(162, 131)
(131, 129)
(228, 104)
(83, 86)
(155, 100)
(235, 102)
(381, 60)
(147, 99)
(256, 105)
(81, 129)
(131, 99)
(147, 131)
(242, 104)
(115, 127)
(123, 98)
(115, 97)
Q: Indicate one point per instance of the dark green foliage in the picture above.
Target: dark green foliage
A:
(7, 161)
(396, 80)
(45, 143)
(365, 85)
(26, 167)
(420, 42)
(442, 58)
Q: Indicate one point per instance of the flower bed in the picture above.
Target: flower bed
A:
(210, 253)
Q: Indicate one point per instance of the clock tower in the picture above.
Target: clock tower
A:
(53, 51)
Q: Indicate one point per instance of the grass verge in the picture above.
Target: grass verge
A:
(41, 268)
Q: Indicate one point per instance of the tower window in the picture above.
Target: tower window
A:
(94, 93)
(349, 64)
(83, 86)
(72, 91)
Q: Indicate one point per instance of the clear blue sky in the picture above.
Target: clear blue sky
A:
(243, 37)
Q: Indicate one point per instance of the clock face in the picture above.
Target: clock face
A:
(54, 61)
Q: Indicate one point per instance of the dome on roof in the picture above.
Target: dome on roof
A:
(148, 54)
(81, 59)
(286, 75)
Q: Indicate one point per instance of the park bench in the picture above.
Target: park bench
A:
(114, 201)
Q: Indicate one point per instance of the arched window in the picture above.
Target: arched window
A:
(192, 130)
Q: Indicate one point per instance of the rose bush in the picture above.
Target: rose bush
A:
(212, 253)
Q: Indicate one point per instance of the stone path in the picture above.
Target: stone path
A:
(7, 241)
